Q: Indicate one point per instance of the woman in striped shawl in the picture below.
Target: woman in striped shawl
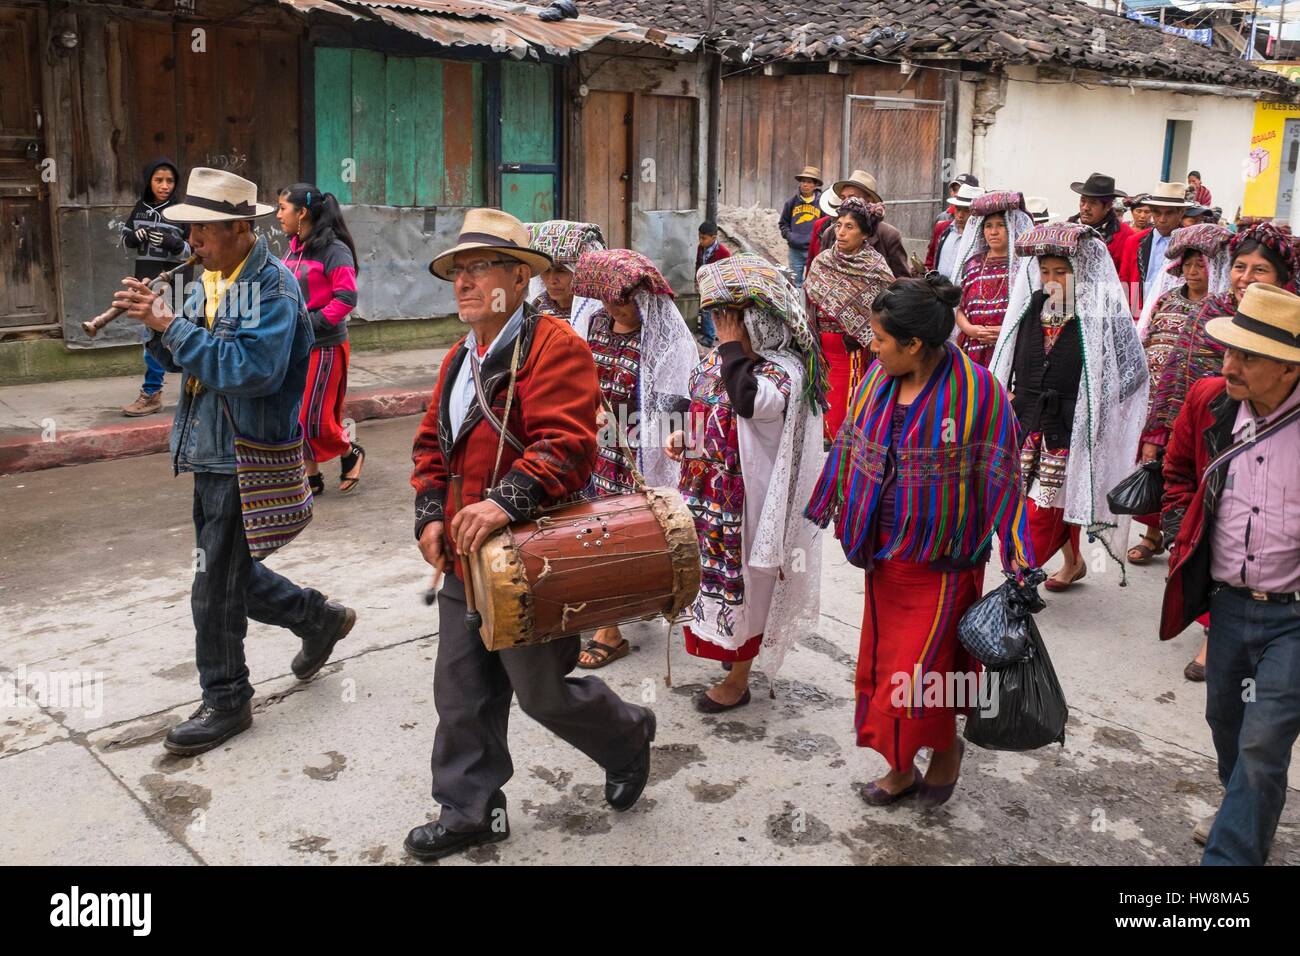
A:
(923, 472)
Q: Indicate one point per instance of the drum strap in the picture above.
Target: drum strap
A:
(622, 446)
(498, 424)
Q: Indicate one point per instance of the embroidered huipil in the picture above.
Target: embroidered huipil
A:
(618, 365)
(985, 291)
(1179, 354)
(721, 469)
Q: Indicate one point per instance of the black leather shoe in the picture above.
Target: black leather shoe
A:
(208, 728)
(624, 788)
(316, 650)
(433, 841)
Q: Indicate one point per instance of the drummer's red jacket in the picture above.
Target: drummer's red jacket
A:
(553, 415)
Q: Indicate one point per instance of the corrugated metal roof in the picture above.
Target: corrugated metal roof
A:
(514, 29)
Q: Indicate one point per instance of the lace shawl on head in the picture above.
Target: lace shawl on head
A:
(1212, 242)
(973, 241)
(1111, 407)
(668, 354)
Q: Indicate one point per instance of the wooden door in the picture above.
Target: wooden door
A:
(26, 263)
(607, 165)
(529, 162)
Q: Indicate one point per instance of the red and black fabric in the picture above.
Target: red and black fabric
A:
(1115, 233)
(323, 397)
(932, 250)
(1202, 431)
(553, 414)
(886, 240)
(1133, 267)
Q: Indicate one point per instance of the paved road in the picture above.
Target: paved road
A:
(95, 578)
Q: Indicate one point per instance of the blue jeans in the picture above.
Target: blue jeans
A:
(1251, 641)
(230, 587)
(707, 328)
(153, 375)
(797, 259)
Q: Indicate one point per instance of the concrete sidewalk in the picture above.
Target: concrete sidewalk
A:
(74, 422)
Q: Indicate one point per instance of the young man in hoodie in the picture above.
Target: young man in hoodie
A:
(797, 218)
(158, 246)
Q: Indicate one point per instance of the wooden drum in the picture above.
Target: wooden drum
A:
(587, 565)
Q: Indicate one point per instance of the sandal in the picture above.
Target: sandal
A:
(355, 458)
(1144, 551)
(604, 653)
(317, 484)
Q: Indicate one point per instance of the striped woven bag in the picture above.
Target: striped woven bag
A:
(274, 496)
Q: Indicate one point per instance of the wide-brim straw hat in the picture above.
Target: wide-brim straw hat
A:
(966, 194)
(829, 202)
(214, 195)
(1267, 323)
(863, 180)
(1168, 196)
(810, 172)
(496, 230)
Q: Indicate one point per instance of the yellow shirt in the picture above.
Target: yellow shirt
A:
(215, 285)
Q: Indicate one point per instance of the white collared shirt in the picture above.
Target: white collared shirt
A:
(462, 390)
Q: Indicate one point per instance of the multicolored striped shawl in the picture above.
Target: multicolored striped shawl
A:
(958, 470)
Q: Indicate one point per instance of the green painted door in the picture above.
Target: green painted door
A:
(529, 161)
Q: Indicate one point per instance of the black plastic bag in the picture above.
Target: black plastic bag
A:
(994, 628)
(1140, 492)
(1025, 709)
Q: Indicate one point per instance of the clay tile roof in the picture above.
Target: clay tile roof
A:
(1063, 32)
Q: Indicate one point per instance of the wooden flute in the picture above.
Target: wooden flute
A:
(93, 326)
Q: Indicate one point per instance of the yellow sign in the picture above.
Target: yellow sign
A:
(1265, 161)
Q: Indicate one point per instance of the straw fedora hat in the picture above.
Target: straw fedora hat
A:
(1267, 323)
(492, 229)
(1036, 206)
(1167, 196)
(863, 180)
(214, 195)
(829, 202)
(810, 172)
(966, 194)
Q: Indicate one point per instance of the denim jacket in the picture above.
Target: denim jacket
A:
(256, 356)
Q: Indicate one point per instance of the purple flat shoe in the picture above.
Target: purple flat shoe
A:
(930, 797)
(877, 796)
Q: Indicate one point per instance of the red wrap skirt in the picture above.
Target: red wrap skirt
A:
(321, 415)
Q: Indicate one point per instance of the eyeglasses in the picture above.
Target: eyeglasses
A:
(476, 270)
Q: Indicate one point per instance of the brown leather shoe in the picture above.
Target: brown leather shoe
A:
(145, 404)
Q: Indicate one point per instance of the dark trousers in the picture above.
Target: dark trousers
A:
(472, 688)
(230, 587)
(1252, 681)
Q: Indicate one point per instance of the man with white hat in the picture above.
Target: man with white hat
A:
(942, 254)
(1144, 256)
(243, 341)
(1231, 487)
(478, 469)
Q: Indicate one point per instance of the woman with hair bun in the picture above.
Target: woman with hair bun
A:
(324, 258)
(923, 473)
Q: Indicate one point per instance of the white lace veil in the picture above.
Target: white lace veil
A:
(785, 540)
(1111, 407)
(1220, 273)
(668, 355)
(580, 312)
(973, 241)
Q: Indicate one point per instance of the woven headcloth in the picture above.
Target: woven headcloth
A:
(565, 241)
(1053, 239)
(745, 282)
(995, 202)
(1271, 238)
(616, 275)
(1207, 238)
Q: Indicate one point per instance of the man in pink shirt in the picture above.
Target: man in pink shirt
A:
(1232, 508)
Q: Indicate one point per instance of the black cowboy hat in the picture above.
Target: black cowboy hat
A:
(1098, 187)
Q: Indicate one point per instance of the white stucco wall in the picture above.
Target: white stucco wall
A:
(1048, 135)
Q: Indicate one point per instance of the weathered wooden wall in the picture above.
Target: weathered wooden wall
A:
(774, 125)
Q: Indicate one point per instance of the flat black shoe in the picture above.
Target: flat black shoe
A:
(316, 650)
(624, 788)
(317, 483)
(208, 728)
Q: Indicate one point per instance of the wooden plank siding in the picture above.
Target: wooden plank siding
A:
(410, 129)
(667, 136)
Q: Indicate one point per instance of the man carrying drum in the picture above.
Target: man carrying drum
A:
(470, 480)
